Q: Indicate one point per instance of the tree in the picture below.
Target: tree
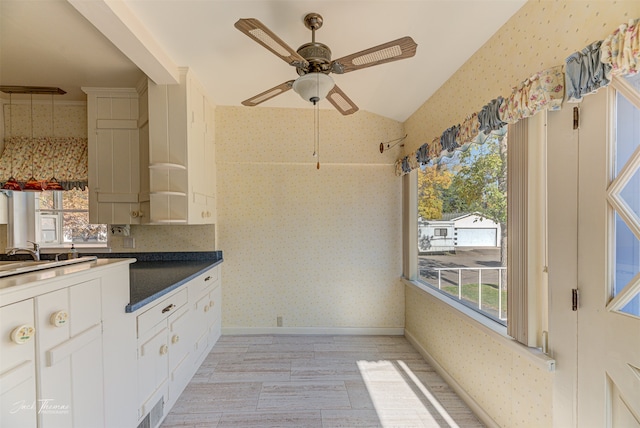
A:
(480, 184)
(481, 180)
(432, 182)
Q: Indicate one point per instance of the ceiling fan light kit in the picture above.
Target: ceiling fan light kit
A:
(313, 63)
(313, 87)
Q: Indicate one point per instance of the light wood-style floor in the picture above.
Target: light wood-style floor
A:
(317, 381)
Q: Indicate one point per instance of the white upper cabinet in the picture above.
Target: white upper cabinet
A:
(114, 151)
(181, 164)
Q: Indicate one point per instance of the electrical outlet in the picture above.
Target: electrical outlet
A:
(120, 229)
(279, 321)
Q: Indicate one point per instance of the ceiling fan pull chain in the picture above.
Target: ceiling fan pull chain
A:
(317, 123)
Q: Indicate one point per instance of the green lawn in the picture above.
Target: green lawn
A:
(489, 295)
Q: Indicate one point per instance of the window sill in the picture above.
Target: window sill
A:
(492, 328)
(80, 248)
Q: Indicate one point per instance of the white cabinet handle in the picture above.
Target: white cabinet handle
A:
(22, 334)
(59, 319)
(175, 339)
(164, 349)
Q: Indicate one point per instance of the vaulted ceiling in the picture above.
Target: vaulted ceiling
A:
(113, 43)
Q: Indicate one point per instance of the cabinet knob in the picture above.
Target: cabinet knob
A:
(175, 339)
(164, 349)
(22, 334)
(59, 319)
(211, 303)
(206, 308)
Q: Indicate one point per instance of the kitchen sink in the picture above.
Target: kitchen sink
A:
(16, 267)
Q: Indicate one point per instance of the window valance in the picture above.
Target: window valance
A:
(65, 158)
(583, 73)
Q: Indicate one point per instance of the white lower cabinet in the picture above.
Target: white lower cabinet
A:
(69, 349)
(174, 337)
(18, 404)
(207, 309)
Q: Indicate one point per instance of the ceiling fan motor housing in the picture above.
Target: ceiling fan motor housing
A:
(318, 56)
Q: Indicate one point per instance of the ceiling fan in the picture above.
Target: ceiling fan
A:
(313, 63)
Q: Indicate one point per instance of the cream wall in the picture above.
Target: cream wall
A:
(321, 248)
(512, 391)
(540, 35)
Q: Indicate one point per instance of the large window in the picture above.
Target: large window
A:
(63, 218)
(462, 226)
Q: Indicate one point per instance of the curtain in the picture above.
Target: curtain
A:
(64, 158)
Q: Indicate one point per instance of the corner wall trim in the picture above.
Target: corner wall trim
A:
(473, 405)
(364, 331)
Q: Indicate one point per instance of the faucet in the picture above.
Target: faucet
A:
(35, 252)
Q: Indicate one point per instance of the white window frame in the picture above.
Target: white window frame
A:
(24, 225)
(534, 266)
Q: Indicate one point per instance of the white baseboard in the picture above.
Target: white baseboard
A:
(473, 405)
(363, 331)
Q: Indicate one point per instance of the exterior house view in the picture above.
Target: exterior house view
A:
(460, 230)
(219, 262)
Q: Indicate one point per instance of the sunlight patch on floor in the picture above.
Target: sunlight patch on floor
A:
(400, 398)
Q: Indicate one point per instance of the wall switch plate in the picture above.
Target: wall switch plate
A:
(128, 242)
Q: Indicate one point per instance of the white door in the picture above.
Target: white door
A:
(608, 379)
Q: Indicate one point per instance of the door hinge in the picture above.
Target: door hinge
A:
(576, 118)
(574, 299)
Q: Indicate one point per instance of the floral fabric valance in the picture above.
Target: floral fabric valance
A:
(584, 72)
(65, 158)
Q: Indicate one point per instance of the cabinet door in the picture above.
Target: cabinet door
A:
(153, 367)
(70, 381)
(196, 146)
(114, 170)
(180, 349)
(17, 368)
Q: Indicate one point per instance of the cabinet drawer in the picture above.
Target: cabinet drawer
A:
(161, 311)
(201, 283)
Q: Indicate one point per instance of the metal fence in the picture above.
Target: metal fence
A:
(489, 276)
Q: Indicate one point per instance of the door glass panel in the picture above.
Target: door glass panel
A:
(631, 193)
(627, 263)
(626, 243)
(627, 131)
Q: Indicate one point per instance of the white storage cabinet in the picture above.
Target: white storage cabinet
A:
(181, 164)
(114, 155)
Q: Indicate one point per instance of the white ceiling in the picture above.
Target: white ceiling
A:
(48, 42)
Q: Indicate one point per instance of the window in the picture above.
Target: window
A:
(52, 219)
(63, 218)
(473, 212)
(439, 232)
(467, 193)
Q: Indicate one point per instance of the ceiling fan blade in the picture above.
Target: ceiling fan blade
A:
(261, 34)
(268, 94)
(387, 52)
(341, 101)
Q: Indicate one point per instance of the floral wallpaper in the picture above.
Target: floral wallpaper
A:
(321, 248)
